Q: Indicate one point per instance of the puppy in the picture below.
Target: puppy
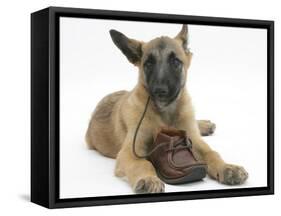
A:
(163, 70)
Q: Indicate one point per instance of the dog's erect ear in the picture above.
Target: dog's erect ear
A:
(182, 36)
(130, 48)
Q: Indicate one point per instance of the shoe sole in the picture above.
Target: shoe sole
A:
(197, 173)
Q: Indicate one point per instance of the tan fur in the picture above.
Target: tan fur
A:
(113, 124)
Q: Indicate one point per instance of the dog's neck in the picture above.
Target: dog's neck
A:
(162, 108)
(168, 113)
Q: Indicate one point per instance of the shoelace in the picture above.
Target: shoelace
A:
(183, 144)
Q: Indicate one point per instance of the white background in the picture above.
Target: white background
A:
(15, 107)
(227, 82)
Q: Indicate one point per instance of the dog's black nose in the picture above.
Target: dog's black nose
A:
(160, 91)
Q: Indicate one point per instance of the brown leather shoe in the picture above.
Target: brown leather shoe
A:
(173, 159)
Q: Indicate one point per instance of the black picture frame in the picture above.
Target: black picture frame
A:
(45, 106)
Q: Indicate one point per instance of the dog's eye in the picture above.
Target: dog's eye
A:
(148, 64)
(176, 62)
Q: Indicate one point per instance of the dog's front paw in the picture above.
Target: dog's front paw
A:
(206, 127)
(150, 184)
(233, 175)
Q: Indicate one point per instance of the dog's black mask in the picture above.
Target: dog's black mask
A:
(163, 75)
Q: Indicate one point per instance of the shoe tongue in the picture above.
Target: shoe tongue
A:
(174, 132)
(176, 139)
(162, 137)
(167, 135)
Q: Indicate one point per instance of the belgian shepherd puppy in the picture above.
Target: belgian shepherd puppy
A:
(163, 70)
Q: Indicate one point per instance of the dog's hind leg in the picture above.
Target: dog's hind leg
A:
(206, 127)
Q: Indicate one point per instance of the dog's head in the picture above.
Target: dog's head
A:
(162, 62)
